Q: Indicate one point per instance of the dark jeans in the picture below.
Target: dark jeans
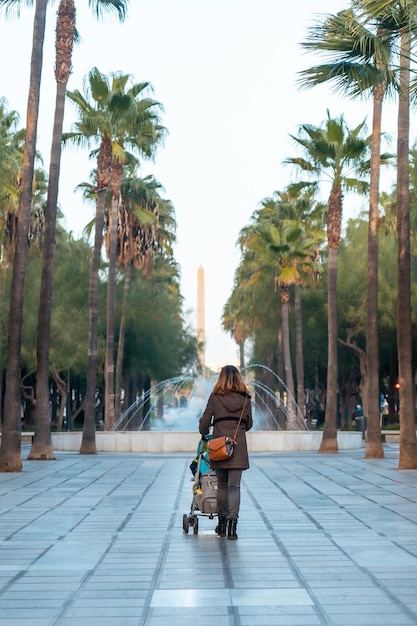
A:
(228, 492)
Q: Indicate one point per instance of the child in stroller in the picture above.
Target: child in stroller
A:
(204, 489)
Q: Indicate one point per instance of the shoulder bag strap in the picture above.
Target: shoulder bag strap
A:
(240, 418)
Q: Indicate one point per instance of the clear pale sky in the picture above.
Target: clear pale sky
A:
(226, 73)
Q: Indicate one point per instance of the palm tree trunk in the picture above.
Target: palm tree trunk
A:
(146, 416)
(242, 354)
(88, 442)
(329, 440)
(374, 449)
(10, 448)
(299, 356)
(64, 390)
(42, 443)
(289, 378)
(281, 376)
(121, 343)
(104, 159)
(3, 269)
(269, 399)
(109, 417)
(408, 442)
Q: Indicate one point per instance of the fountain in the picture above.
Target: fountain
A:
(165, 420)
(184, 399)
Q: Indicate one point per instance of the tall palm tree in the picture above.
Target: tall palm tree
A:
(240, 316)
(297, 205)
(42, 444)
(358, 63)
(401, 17)
(91, 127)
(104, 111)
(408, 439)
(10, 452)
(337, 153)
(283, 244)
(65, 32)
(10, 448)
(146, 228)
(138, 129)
(11, 155)
(251, 319)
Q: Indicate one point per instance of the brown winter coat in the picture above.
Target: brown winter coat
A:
(224, 412)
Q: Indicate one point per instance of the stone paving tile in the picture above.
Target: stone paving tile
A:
(323, 539)
(182, 617)
(30, 615)
(96, 621)
(376, 619)
(15, 621)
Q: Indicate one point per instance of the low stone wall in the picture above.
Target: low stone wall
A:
(390, 436)
(171, 441)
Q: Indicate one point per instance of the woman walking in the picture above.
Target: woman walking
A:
(229, 401)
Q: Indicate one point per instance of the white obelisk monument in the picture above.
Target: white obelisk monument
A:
(201, 338)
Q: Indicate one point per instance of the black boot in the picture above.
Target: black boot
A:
(221, 526)
(231, 529)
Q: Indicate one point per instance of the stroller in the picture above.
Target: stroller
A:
(204, 489)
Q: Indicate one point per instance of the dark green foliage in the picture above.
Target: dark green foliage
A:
(157, 344)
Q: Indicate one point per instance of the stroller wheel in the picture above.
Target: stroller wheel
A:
(195, 526)
(185, 523)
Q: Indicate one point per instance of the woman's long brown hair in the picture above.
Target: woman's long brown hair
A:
(230, 380)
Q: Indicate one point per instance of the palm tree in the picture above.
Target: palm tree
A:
(146, 226)
(139, 128)
(42, 444)
(236, 322)
(10, 454)
(400, 16)
(408, 439)
(10, 448)
(282, 244)
(359, 63)
(253, 312)
(65, 32)
(296, 204)
(11, 155)
(92, 126)
(336, 152)
(104, 111)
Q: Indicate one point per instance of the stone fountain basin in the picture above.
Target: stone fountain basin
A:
(177, 441)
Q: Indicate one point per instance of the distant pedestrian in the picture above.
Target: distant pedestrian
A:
(223, 411)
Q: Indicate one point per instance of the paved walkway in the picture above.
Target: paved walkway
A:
(99, 541)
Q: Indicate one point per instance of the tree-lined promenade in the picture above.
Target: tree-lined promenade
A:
(89, 325)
